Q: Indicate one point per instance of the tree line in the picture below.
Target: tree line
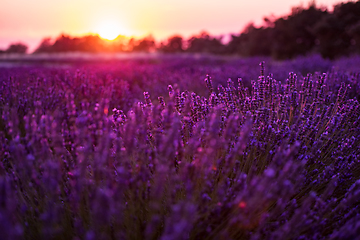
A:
(305, 30)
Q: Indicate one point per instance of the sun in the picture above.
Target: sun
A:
(109, 30)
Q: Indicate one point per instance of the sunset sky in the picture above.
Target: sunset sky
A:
(31, 21)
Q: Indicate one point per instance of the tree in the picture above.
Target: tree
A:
(331, 38)
(204, 43)
(338, 33)
(45, 46)
(281, 38)
(293, 35)
(174, 44)
(354, 33)
(253, 41)
(17, 48)
(147, 44)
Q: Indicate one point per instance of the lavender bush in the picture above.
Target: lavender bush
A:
(270, 161)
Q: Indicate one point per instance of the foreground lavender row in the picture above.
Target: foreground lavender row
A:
(279, 161)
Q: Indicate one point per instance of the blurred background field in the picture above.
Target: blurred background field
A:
(153, 72)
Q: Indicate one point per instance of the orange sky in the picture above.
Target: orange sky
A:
(30, 21)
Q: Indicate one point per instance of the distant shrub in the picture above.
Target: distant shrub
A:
(17, 48)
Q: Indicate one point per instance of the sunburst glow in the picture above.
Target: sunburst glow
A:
(109, 30)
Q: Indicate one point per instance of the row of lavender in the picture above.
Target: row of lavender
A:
(128, 78)
(277, 161)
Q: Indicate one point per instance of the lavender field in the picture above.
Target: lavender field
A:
(180, 147)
